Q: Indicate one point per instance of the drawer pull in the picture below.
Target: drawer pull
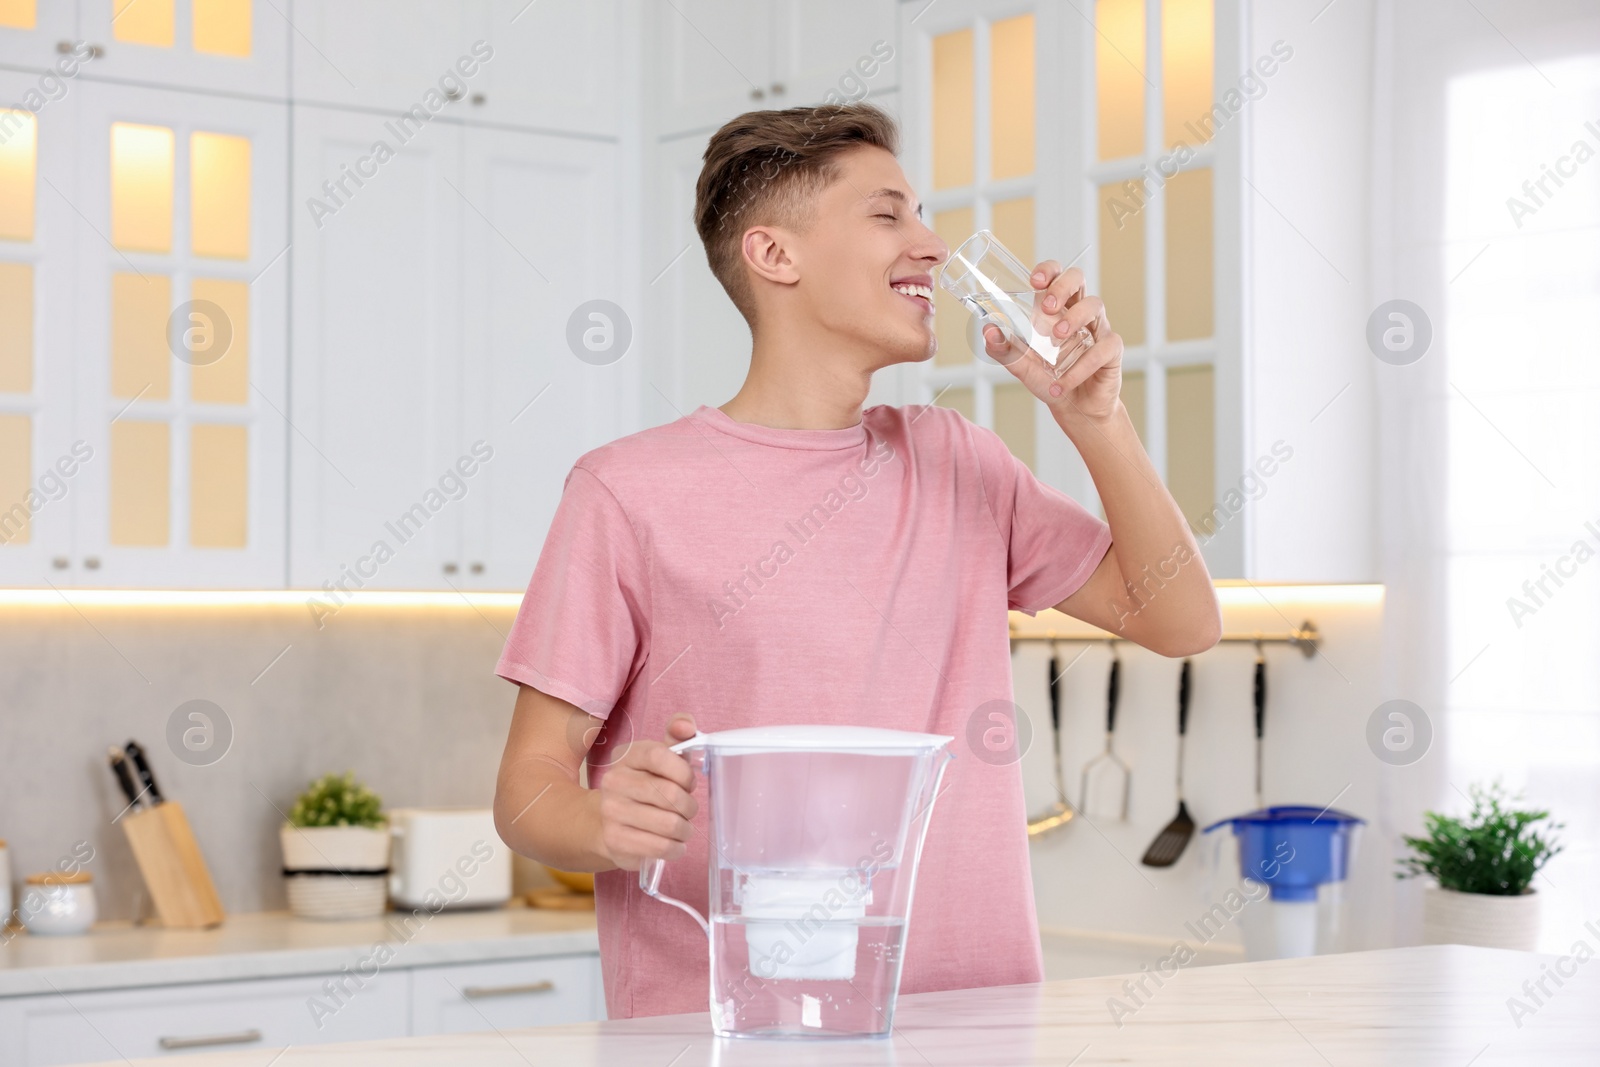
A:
(477, 992)
(239, 1037)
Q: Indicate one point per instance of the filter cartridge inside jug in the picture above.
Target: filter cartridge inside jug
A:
(802, 927)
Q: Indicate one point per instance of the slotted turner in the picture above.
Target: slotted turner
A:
(1108, 762)
(1170, 842)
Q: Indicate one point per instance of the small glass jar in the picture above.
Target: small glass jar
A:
(58, 902)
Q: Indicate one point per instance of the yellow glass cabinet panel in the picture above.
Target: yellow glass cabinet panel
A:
(949, 317)
(148, 22)
(222, 27)
(1014, 420)
(1187, 49)
(1119, 77)
(1191, 436)
(141, 483)
(16, 478)
(219, 195)
(1122, 266)
(19, 156)
(19, 14)
(953, 109)
(16, 329)
(141, 362)
(1190, 259)
(219, 480)
(141, 187)
(223, 378)
(1011, 97)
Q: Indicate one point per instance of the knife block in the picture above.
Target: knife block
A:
(174, 870)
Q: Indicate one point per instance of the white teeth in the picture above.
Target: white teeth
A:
(914, 290)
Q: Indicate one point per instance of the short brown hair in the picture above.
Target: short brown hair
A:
(766, 167)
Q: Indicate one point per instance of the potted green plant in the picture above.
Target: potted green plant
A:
(336, 851)
(1484, 866)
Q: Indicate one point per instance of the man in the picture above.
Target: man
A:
(791, 558)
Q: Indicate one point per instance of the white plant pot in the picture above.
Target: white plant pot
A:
(336, 872)
(1452, 918)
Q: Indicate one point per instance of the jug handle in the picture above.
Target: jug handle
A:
(650, 872)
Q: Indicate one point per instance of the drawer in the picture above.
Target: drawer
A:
(506, 995)
(215, 1017)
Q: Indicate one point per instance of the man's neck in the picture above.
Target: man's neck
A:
(790, 387)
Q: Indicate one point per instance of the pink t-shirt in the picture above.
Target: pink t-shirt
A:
(754, 576)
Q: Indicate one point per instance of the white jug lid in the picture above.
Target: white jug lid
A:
(798, 737)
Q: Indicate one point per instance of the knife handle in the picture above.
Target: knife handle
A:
(142, 766)
(1183, 699)
(119, 767)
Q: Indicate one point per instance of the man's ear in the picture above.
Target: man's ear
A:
(767, 250)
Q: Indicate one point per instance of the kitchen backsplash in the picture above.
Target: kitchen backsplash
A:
(404, 696)
(407, 697)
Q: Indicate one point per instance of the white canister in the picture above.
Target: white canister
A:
(57, 902)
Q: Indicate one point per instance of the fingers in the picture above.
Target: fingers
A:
(1105, 352)
(1090, 312)
(999, 348)
(680, 728)
(1062, 288)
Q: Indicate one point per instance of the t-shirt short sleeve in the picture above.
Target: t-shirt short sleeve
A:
(583, 627)
(1053, 543)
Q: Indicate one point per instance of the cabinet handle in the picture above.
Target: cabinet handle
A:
(96, 51)
(477, 568)
(777, 88)
(241, 1037)
(479, 99)
(758, 93)
(451, 568)
(59, 563)
(477, 992)
(92, 563)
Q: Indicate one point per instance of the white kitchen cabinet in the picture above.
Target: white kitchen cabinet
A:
(37, 263)
(719, 58)
(146, 470)
(505, 62)
(377, 340)
(508, 995)
(437, 400)
(700, 344)
(214, 1017)
(555, 64)
(540, 233)
(32, 30)
(179, 199)
(232, 46)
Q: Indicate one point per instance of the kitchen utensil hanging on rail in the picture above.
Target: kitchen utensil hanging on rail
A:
(1108, 766)
(1171, 841)
(1060, 813)
(1260, 698)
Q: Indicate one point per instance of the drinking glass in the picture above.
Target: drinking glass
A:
(994, 285)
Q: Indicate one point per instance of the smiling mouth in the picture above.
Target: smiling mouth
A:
(921, 295)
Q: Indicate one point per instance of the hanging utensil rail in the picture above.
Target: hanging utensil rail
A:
(1304, 637)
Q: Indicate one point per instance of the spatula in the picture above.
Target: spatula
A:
(1170, 842)
(1059, 814)
(1108, 762)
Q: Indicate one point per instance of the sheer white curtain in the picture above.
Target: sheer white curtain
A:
(1486, 212)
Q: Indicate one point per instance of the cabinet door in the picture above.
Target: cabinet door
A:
(541, 245)
(845, 48)
(387, 54)
(553, 65)
(505, 996)
(710, 62)
(216, 1017)
(237, 46)
(40, 472)
(376, 216)
(180, 310)
(699, 344)
(32, 30)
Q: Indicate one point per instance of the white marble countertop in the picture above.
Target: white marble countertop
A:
(1442, 1005)
(271, 945)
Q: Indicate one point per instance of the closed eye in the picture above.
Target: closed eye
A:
(891, 217)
